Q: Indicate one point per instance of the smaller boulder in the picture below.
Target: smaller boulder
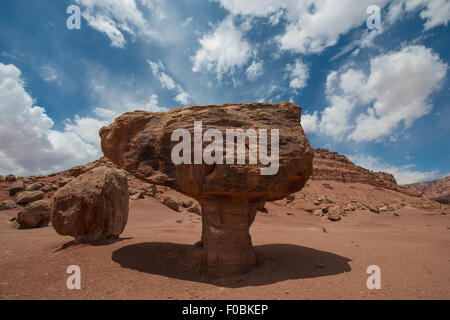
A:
(34, 186)
(371, 208)
(334, 213)
(137, 196)
(16, 187)
(63, 182)
(187, 203)
(172, 202)
(132, 191)
(49, 188)
(7, 204)
(195, 209)
(11, 178)
(35, 214)
(318, 213)
(26, 197)
(2, 178)
(149, 189)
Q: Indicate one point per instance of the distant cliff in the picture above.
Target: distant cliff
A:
(330, 165)
(438, 190)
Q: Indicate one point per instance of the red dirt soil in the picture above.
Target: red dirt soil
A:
(300, 256)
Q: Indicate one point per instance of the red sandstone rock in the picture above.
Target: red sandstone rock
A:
(93, 207)
(35, 214)
(334, 166)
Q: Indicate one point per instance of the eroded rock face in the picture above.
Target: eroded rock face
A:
(93, 207)
(229, 194)
(330, 165)
(437, 190)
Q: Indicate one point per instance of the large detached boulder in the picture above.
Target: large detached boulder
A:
(35, 214)
(229, 192)
(93, 207)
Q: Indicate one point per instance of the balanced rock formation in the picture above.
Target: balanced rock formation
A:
(230, 188)
(35, 214)
(93, 207)
(337, 167)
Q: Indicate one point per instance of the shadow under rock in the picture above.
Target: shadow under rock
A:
(275, 263)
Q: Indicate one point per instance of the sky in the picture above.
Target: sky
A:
(379, 96)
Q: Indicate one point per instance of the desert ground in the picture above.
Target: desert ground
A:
(299, 255)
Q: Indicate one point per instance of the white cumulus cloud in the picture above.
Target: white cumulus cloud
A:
(298, 74)
(168, 83)
(315, 25)
(395, 92)
(116, 17)
(223, 50)
(255, 70)
(28, 144)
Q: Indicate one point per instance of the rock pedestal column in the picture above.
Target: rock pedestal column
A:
(225, 235)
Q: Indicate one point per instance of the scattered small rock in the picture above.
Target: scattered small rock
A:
(187, 203)
(34, 186)
(195, 209)
(10, 178)
(137, 196)
(16, 187)
(334, 213)
(132, 191)
(373, 209)
(318, 213)
(172, 202)
(7, 204)
(149, 189)
(26, 197)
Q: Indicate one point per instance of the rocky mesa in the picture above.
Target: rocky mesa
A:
(333, 166)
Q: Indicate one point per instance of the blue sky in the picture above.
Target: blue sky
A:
(378, 96)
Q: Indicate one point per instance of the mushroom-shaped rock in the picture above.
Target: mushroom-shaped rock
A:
(93, 207)
(229, 157)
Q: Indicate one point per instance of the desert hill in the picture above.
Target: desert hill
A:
(437, 190)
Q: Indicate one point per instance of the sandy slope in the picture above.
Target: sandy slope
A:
(300, 256)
